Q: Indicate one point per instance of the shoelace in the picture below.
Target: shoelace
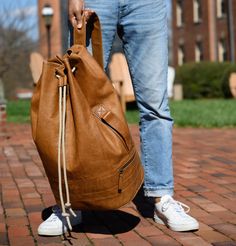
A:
(178, 206)
(55, 215)
(53, 218)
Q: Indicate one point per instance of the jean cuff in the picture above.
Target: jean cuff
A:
(158, 193)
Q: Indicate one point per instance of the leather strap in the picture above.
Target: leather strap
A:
(80, 35)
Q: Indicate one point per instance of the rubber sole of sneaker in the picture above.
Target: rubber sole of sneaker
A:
(158, 220)
(51, 233)
(181, 227)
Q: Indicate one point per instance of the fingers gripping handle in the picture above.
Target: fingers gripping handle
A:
(80, 36)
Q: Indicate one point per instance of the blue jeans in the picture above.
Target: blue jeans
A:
(142, 27)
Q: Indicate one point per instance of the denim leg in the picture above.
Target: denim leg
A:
(143, 26)
(143, 29)
(107, 12)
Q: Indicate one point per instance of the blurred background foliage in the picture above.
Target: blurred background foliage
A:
(205, 79)
(16, 42)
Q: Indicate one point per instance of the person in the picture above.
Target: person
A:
(142, 27)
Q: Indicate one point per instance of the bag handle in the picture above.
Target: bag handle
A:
(80, 35)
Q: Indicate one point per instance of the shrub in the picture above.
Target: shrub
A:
(225, 81)
(204, 79)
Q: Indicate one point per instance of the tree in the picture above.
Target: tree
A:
(16, 46)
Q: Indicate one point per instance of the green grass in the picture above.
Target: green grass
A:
(204, 113)
(18, 111)
(198, 113)
(187, 113)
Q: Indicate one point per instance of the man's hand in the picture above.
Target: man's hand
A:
(76, 10)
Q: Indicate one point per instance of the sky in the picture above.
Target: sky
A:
(29, 6)
(16, 8)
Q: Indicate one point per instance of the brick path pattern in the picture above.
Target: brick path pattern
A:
(205, 179)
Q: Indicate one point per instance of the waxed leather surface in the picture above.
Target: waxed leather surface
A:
(103, 167)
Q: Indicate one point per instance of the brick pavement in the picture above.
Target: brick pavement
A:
(205, 171)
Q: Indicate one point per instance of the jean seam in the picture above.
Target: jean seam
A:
(158, 189)
(109, 56)
(143, 127)
(127, 55)
(144, 152)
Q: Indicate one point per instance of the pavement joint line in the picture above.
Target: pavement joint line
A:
(4, 213)
(30, 229)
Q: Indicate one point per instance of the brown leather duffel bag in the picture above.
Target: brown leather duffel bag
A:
(80, 131)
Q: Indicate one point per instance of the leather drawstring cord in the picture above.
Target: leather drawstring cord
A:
(65, 207)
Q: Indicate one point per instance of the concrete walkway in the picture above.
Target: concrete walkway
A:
(205, 179)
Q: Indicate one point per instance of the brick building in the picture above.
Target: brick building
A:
(203, 30)
(58, 30)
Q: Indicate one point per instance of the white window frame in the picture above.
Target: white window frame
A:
(179, 14)
(219, 10)
(221, 50)
(196, 6)
(198, 51)
(181, 55)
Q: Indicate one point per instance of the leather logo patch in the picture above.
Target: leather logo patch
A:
(100, 111)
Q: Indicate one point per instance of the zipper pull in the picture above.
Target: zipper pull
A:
(121, 172)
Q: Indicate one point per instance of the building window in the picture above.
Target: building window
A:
(179, 13)
(181, 55)
(221, 8)
(197, 11)
(198, 51)
(222, 50)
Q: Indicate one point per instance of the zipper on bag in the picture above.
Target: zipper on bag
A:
(117, 133)
(121, 173)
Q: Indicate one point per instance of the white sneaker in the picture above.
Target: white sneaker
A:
(172, 214)
(56, 224)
